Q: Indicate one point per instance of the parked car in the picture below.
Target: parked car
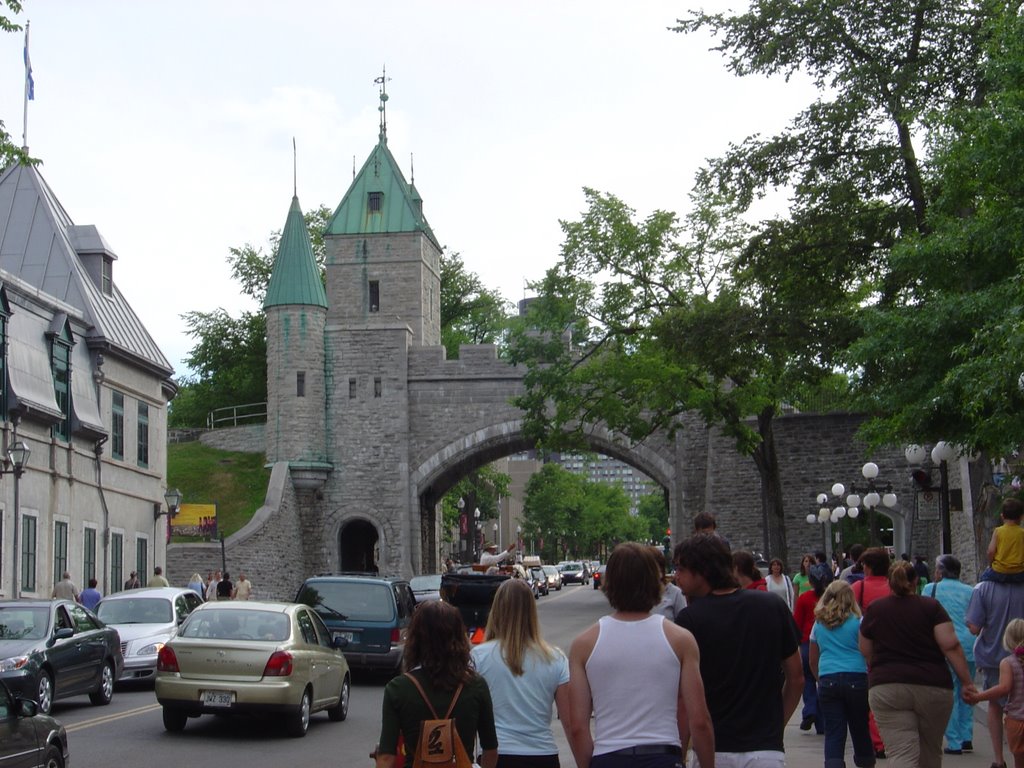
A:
(53, 649)
(426, 587)
(145, 619)
(371, 613)
(573, 573)
(253, 657)
(540, 580)
(28, 737)
(554, 577)
(599, 577)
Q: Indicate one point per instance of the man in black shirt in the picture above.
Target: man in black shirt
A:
(224, 587)
(749, 654)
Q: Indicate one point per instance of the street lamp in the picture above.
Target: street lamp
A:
(941, 454)
(463, 525)
(854, 501)
(173, 500)
(14, 464)
(476, 534)
(497, 539)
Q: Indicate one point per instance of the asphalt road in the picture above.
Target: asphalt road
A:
(129, 732)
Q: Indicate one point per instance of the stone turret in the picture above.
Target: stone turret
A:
(296, 312)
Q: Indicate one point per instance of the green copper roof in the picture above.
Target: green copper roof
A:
(296, 277)
(397, 206)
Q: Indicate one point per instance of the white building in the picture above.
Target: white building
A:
(84, 387)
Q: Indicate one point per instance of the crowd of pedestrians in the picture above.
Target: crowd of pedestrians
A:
(717, 658)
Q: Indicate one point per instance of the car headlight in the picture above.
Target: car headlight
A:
(152, 649)
(13, 663)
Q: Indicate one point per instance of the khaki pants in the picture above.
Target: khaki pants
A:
(912, 719)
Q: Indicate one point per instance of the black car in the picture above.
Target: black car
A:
(29, 738)
(574, 573)
(52, 649)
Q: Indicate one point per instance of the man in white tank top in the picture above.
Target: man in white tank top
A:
(640, 676)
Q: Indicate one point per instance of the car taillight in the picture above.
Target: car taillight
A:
(166, 661)
(278, 665)
(396, 636)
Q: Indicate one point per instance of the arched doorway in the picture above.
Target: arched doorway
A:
(358, 547)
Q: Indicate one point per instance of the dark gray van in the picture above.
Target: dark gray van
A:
(371, 613)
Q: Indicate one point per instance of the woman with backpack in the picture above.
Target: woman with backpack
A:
(439, 687)
(525, 675)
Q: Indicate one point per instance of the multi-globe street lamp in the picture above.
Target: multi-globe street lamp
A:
(941, 454)
(865, 496)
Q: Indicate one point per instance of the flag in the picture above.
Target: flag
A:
(30, 85)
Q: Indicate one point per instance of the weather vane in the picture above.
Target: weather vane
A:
(382, 81)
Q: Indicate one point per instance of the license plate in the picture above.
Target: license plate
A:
(218, 698)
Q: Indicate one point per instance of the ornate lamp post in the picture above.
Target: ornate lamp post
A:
(497, 539)
(14, 464)
(941, 454)
(854, 501)
(463, 527)
(476, 534)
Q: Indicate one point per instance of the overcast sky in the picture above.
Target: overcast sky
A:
(169, 125)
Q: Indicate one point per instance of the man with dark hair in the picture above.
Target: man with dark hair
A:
(705, 522)
(853, 572)
(639, 679)
(749, 655)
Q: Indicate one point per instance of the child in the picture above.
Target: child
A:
(1011, 685)
(1006, 550)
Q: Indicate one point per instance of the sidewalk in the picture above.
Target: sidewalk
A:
(805, 749)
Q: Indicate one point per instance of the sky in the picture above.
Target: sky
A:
(169, 126)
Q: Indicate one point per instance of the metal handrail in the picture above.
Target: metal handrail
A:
(231, 415)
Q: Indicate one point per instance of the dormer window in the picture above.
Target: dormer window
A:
(60, 365)
(107, 279)
(374, 202)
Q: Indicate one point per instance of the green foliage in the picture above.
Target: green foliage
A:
(569, 516)
(470, 313)
(481, 489)
(943, 357)
(235, 482)
(653, 511)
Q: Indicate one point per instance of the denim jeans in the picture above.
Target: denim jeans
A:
(843, 700)
(811, 708)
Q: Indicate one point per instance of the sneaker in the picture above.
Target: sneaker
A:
(806, 723)
(967, 746)
(951, 751)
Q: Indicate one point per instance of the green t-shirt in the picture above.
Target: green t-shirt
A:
(404, 710)
(802, 583)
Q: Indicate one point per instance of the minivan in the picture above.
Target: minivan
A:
(370, 613)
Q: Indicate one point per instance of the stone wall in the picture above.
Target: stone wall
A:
(246, 439)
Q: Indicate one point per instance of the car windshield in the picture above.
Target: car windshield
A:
(24, 623)
(549, 569)
(135, 610)
(430, 583)
(227, 624)
(537, 573)
(571, 567)
(354, 600)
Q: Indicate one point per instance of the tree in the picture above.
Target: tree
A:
(653, 511)
(470, 313)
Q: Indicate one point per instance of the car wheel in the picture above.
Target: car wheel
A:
(102, 695)
(339, 712)
(175, 719)
(44, 692)
(53, 757)
(298, 721)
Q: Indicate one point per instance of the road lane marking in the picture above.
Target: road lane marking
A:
(110, 718)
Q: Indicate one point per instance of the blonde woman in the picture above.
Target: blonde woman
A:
(525, 676)
(838, 665)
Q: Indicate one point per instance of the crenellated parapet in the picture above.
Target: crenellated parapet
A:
(474, 361)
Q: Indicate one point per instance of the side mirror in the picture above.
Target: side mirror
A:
(63, 633)
(339, 642)
(26, 707)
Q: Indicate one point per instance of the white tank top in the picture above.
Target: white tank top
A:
(634, 681)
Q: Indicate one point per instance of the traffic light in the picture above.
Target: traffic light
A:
(922, 480)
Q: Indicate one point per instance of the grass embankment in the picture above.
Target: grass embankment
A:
(236, 482)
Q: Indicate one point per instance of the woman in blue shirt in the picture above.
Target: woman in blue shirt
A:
(842, 674)
(526, 676)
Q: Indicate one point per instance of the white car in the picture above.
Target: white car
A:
(145, 619)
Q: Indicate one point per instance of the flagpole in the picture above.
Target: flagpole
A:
(28, 89)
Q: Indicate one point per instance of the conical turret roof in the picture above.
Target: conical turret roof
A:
(296, 277)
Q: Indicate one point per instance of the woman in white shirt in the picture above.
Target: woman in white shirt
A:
(525, 676)
(779, 583)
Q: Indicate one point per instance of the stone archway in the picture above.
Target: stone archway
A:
(359, 547)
